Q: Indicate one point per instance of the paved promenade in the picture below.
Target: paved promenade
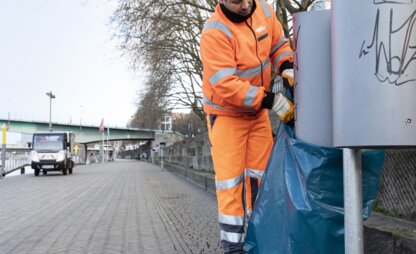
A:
(119, 207)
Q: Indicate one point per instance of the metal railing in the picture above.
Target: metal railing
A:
(15, 160)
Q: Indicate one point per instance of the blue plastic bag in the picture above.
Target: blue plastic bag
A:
(300, 209)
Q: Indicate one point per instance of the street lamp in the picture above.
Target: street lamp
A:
(80, 118)
(51, 96)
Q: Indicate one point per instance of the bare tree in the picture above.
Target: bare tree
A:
(152, 104)
(286, 8)
(188, 123)
(164, 37)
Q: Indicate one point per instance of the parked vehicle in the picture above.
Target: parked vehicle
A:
(52, 151)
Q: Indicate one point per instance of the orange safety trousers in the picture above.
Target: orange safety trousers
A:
(240, 149)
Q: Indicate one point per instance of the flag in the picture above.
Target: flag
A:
(102, 128)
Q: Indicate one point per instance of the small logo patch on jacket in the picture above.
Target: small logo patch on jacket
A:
(260, 29)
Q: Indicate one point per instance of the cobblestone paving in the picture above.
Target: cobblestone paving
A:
(119, 207)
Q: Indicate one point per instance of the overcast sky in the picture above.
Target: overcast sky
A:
(63, 46)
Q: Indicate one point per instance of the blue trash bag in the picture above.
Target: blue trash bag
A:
(299, 208)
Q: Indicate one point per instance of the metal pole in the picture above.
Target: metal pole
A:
(3, 150)
(51, 96)
(161, 159)
(162, 153)
(3, 160)
(50, 113)
(108, 134)
(80, 118)
(102, 145)
(353, 200)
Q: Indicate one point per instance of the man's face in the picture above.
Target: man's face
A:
(242, 7)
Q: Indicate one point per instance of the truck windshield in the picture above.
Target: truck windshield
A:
(48, 142)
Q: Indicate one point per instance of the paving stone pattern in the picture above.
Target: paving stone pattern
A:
(119, 207)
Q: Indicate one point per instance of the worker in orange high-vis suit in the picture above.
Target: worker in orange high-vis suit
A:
(242, 43)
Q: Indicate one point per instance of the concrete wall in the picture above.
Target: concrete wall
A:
(192, 153)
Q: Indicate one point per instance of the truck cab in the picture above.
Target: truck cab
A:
(52, 151)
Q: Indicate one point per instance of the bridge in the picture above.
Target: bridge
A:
(84, 134)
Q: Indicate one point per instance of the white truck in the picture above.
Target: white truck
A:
(52, 151)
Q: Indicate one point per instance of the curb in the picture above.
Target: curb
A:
(388, 235)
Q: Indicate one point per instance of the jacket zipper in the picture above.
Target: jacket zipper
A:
(257, 55)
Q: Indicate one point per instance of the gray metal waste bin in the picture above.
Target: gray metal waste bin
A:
(374, 73)
(313, 89)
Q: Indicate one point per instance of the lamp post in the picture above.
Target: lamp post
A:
(162, 146)
(4, 129)
(80, 118)
(51, 96)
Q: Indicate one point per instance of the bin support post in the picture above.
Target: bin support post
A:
(353, 201)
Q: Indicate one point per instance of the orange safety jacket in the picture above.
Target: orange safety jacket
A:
(238, 59)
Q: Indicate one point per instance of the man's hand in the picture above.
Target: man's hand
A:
(289, 75)
(283, 107)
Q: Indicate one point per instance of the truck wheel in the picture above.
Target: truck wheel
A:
(37, 171)
(44, 171)
(65, 171)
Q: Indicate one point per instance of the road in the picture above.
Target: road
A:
(118, 207)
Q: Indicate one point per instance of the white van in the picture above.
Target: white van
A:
(52, 151)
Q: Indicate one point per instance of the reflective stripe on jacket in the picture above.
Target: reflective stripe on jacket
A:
(238, 59)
